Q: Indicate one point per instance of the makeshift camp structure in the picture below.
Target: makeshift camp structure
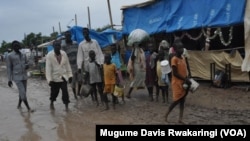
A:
(104, 38)
(171, 16)
(156, 16)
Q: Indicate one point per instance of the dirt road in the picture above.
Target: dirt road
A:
(207, 105)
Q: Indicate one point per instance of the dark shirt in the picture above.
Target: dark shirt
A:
(71, 51)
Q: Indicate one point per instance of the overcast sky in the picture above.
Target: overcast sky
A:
(18, 17)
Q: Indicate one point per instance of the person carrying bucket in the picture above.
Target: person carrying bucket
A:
(179, 77)
(162, 77)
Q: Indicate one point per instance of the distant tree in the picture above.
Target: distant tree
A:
(32, 40)
(54, 35)
(4, 46)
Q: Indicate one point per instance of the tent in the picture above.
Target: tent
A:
(169, 16)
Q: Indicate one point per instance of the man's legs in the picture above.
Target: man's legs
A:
(65, 94)
(19, 103)
(54, 91)
(22, 87)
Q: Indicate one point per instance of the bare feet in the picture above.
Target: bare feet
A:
(105, 109)
(66, 107)
(128, 96)
(19, 107)
(166, 118)
(52, 106)
(75, 97)
(97, 104)
(123, 101)
(181, 122)
(31, 110)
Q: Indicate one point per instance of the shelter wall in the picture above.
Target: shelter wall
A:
(199, 62)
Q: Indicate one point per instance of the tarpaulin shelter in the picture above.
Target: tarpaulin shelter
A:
(156, 16)
(169, 16)
(104, 38)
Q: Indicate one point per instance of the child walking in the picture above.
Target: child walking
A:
(109, 70)
(151, 76)
(93, 75)
(162, 85)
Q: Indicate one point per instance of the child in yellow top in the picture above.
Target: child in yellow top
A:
(109, 70)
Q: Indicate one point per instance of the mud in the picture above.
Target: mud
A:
(207, 106)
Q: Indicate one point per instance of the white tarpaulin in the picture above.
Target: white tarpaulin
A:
(199, 62)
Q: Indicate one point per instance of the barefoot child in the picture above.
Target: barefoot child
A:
(93, 74)
(109, 71)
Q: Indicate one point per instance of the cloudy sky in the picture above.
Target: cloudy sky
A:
(20, 17)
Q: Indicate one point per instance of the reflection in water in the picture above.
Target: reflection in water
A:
(63, 130)
(30, 135)
(70, 128)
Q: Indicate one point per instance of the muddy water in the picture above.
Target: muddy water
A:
(205, 106)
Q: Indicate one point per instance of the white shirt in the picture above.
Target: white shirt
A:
(54, 70)
(83, 52)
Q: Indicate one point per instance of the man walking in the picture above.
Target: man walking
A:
(58, 74)
(17, 65)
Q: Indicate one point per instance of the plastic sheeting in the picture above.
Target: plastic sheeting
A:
(176, 15)
(104, 38)
(199, 62)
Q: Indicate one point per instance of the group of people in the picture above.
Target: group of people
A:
(87, 64)
(146, 70)
(70, 63)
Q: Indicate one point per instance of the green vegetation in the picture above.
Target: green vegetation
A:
(32, 40)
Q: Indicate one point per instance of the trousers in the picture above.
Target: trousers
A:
(22, 88)
(54, 91)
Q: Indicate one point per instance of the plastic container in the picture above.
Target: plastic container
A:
(165, 67)
(194, 85)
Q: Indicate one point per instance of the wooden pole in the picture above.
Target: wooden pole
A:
(60, 31)
(89, 25)
(110, 14)
(75, 20)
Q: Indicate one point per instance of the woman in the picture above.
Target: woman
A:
(136, 68)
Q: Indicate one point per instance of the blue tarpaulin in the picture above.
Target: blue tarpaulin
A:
(176, 15)
(104, 38)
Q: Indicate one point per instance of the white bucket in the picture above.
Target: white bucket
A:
(194, 85)
(165, 67)
(29, 73)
